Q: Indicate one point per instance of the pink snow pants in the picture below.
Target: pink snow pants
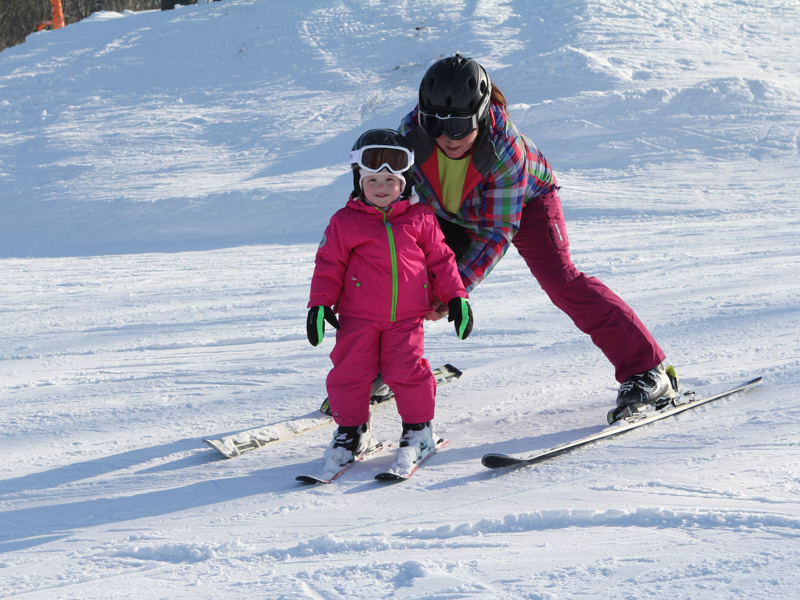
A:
(365, 348)
(596, 310)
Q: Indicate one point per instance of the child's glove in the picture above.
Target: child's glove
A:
(315, 323)
(460, 312)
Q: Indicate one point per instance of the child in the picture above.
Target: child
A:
(381, 264)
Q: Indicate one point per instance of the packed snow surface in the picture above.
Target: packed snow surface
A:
(165, 178)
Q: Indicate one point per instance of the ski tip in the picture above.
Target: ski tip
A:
(390, 476)
(217, 445)
(456, 372)
(498, 461)
(311, 479)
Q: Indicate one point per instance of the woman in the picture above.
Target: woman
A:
(490, 187)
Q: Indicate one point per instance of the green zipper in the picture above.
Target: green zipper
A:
(393, 254)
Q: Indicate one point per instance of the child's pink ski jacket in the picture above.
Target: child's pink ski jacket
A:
(385, 266)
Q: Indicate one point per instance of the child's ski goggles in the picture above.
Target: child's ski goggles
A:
(452, 126)
(374, 158)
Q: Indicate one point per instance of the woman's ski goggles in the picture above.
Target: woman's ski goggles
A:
(374, 158)
(452, 126)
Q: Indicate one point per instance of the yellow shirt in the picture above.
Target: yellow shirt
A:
(452, 173)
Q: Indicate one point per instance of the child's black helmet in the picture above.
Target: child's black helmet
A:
(455, 86)
(381, 148)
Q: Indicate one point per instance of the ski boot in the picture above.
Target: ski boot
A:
(348, 443)
(658, 387)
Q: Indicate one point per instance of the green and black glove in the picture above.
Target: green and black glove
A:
(315, 323)
(460, 311)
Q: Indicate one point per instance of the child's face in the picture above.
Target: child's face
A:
(381, 189)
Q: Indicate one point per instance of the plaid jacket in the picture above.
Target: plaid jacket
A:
(506, 171)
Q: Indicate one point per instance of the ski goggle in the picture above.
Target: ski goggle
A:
(374, 158)
(452, 126)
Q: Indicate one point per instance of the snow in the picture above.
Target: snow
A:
(165, 178)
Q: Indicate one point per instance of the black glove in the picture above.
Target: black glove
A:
(460, 312)
(315, 323)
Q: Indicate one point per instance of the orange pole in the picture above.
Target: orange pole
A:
(58, 16)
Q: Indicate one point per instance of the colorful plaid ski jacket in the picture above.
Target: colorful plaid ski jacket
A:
(506, 171)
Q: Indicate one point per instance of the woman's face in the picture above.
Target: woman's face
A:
(456, 148)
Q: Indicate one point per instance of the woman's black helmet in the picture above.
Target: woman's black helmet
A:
(455, 86)
(381, 148)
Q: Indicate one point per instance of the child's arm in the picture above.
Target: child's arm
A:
(330, 266)
(326, 283)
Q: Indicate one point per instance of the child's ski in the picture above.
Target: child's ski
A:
(398, 475)
(236, 444)
(368, 453)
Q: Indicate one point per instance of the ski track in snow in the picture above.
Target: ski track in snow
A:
(165, 179)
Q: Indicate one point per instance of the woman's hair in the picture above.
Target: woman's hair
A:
(498, 97)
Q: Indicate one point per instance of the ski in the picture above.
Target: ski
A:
(444, 374)
(682, 403)
(391, 475)
(237, 444)
(369, 453)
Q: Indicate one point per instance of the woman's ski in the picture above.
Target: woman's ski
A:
(682, 403)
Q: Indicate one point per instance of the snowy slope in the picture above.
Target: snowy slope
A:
(164, 180)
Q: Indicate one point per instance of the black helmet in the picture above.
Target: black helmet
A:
(377, 149)
(455, 86)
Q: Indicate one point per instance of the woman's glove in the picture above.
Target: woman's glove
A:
(460, 311)
(315, 323)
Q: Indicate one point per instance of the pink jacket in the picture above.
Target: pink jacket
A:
(384, 266)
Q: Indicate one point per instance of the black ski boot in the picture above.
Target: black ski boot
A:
(646, 388)
(658, 386)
